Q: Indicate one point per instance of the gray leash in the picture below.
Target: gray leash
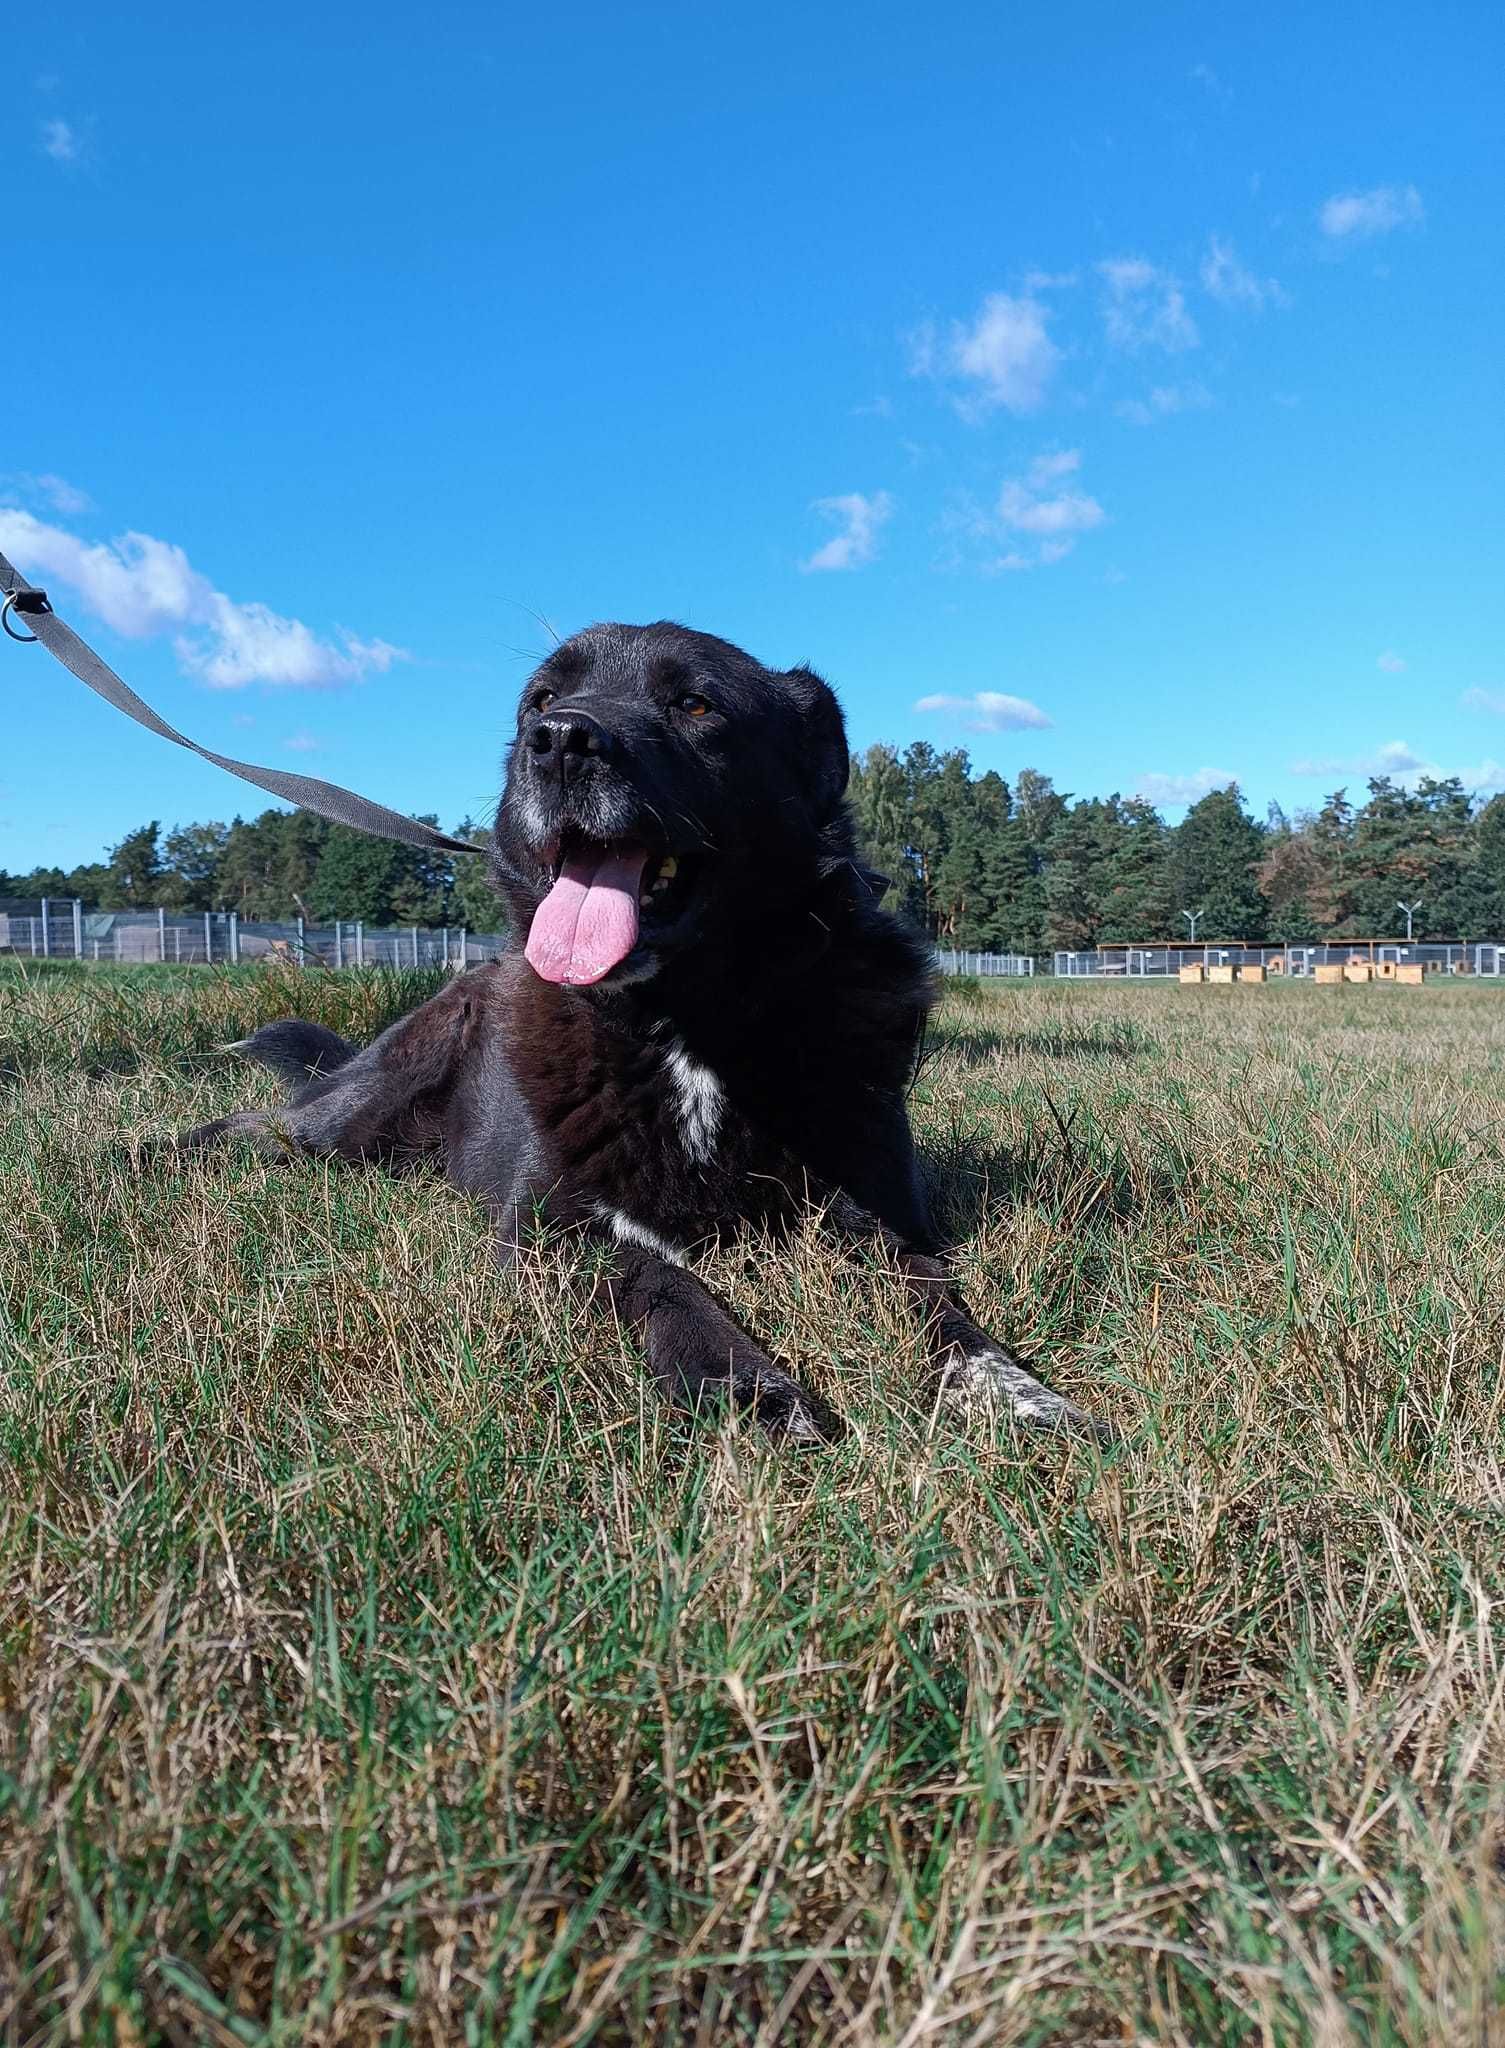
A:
(340, 806)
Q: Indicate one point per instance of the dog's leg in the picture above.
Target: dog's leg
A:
(975, 1369)
(695, 1351)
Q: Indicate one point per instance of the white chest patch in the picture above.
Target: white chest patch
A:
(698, 1100)
(626, 1230)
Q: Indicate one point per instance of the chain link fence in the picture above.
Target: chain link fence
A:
(1141, 963)
(62, 929)
(950, 960)
(65, 930)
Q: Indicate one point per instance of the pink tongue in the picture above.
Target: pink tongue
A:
(588, 922)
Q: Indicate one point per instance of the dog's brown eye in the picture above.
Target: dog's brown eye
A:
(544, 699)
(696, 706)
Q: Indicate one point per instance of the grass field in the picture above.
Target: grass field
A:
(379, 1662)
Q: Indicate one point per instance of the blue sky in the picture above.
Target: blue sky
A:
(1120, 386)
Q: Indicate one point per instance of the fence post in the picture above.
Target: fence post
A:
(46, 942)
(208, 938)
(415, 945)
(446, 945)
(339, 943)
(78, 927)
(302, 943)
(235, 938)
(360, 943)
(462, 945)
(161, 932)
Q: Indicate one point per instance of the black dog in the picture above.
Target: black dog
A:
(706, 1020)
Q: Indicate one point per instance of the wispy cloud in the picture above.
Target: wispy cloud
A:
(302, 743)
(988, 711)
(142, 587)
(1484, 700)
(1158, 788)
(1392, 663)
(860, 518)
(1402, 763)
(1208, 79)
(1145, 307)
(1041, 506)
(55, 491)
(60, 140)
(1003, 357)
(1356, 216)
(1163, 403)
(1395, 758)
(1231, 283)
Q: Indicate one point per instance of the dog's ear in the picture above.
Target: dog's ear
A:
(827, 761)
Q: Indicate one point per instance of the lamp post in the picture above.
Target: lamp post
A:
(1193, 918)
(1408, 909)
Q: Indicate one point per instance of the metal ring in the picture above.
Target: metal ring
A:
(5, 610)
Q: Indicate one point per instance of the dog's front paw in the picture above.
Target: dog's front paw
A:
(791, 1414)
(990, 1379)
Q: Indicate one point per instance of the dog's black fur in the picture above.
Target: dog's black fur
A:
(749, 1056)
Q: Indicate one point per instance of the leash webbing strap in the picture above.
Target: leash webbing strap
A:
(25, 601)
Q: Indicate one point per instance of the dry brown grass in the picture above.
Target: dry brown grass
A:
(380, 1663)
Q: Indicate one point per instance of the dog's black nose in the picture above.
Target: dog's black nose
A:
(568, 737)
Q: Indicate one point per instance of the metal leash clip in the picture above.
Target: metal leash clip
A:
(22, 601)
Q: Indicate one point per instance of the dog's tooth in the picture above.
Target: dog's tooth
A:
(669, 869)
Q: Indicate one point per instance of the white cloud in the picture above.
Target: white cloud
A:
(1162, 402)
(1355, 216)
(859, 518)
(1145, 307)
(64, 497)
(1182, 789)
(55, 491)
(1227, 280)
(1402, 763)
(1395, 758)
(1391, 662)
(1004, 357)
(1033, 502)
(60, 141)
(1484, 700)
(142, 587)
(1036, 506)
(1204, 75)
(302, 743)
(989, 711)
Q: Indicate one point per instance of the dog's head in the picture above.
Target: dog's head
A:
(663, 788)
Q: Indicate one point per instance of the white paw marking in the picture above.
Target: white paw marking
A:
(627, 1230)
(993, 1377)
(698, 1100)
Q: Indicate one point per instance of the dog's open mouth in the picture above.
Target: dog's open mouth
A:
(603, 894)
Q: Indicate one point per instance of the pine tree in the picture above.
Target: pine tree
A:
(1080, 858)
(1137, 900)
(134, 874)
(356, 877)
(1214, 862)
(191, 858)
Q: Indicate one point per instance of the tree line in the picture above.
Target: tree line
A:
(277, 867)
(1026, 868)
(974, 860)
